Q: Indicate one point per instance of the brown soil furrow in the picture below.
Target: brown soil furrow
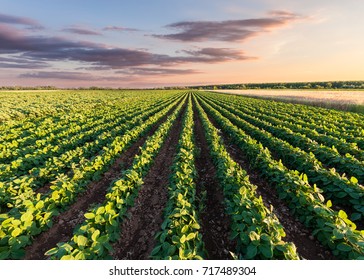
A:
(44, 189)
(308, 247)
(145, 218)
(65, 223)
(215, 223)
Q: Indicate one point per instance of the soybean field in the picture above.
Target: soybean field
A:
(178, 174)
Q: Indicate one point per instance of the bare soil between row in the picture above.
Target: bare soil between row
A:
(215, 223)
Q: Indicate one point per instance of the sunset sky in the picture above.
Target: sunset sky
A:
(72, 43)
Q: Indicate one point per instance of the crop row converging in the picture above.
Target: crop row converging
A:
(121, 174)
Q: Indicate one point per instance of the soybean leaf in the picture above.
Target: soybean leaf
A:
(89, 215)
(344, 247)
(251, 251)
(51, 251)
(95, 235)
(81, 240)
(266, 250)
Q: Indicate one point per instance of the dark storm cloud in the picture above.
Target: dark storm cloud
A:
(229, 30)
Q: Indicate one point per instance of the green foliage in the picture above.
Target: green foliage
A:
(180, 237)
(272, 136)
(35, 211)
(256, 229)
(68, 139)
(92, 240)
(330, 227)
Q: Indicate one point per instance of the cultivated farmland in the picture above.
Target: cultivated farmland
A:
(178, 175)
(352, 101)
(333, 96)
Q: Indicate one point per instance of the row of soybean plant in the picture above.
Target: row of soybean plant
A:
(52, 136)
(335, 186)
(34, 212)
(346, 129)
(327, 134)
(327, 155)
(255, 228)
(93, 238)
(332, 228)
(12, 189)
(180, 236)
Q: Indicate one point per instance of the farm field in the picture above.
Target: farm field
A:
(157, 174)
(336, 96)
(337, 99)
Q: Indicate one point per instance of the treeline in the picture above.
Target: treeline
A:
(57, 88)
(28, 88)
(297, 85)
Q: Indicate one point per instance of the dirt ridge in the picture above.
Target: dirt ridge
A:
(215, 223)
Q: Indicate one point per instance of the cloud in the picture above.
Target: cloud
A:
(13, 40)
(117, 58)
(81, 31)
(120, 58)
(21, 63)
(229, 30)
(66, 75)
(283, 13)
(131, 74)
(57, 75)
(119, 29)
(61, 49)
(31, 23)
(215, 55)
(140, 71)
(113, 57)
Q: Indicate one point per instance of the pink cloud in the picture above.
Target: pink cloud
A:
(229, 30)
